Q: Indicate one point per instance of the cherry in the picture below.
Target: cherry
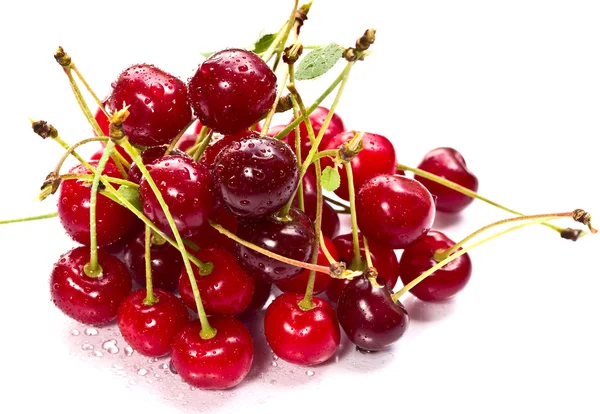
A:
(369, 315)
(165, 259)
(218, 363)
(262, 293)
(149, 155)
(293, 238)
(448, 163)
(330, 221)
(158, 104)
(384, 260)
(376, 157)
(297, 284)
(317, 119)
(255, 176)
(232, 90)
(186, 141)
(443, 283)
(217, 144)
(394, 211)
(185, 187)
(150, 329)
(227, 290)
(103, 121)
(302, 337)
(112, 219)
(208, 237)
(89, 300)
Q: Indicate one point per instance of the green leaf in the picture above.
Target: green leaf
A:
(319, 61)
(264, 43)
(132, 195)
(330, 178)
(206, 54)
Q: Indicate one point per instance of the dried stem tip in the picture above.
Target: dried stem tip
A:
(50, 185)
(336, 270)
(284, 103)
(571, 234)
(366, 40)
(585, 218)
(115, 129)
(62, 57)
(44, 129)
(292, 53)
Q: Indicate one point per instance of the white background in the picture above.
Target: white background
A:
(513, 85)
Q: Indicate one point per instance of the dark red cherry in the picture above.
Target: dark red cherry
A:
(443, 283)
(166, 262)
(217, 144)
(301, 337)
(369, 315)
(185, 187)
(317, 119)
(255, 176)
(448, 163)
(150, 329)
(208, 237)
(377, 157)
(262, 293)
(103, 121)
(158, 104)
(227, 290)
(89, 300)
(118, 248)
(112, 219)
(149, 155)
(232, 90)
(394, 211)
(218, 363)
(297, 284)
(384, 260)
(293, 238)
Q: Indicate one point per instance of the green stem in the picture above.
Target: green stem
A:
(325, 250)
(71, 151)
(89, 89)
(206, 331)
(32, 218)
(90, 177)
(150, 298)
(357, 260)
(332, 153)
(271, 113)
(282, 35)
(367, 253)
(81, 101)
(175, 140)
(202, 145)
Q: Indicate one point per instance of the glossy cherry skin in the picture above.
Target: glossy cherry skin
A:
(293, 239)
(394, 211)
(166, 262)
(377, 157)
(149, 155)
(208, 237)
(112, 219)
(150, 329)
(217, 143)
(384, 260)
(232, 90)
(444, 283)
(227, 290)
(297, 284)
(448, 163)
(369, 315)
(214, 364)
(256, 176)
(185, 186)
(317, 119)
(158, 104)
(92, 301)
(301, 337)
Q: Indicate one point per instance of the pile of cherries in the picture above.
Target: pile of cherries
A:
(229, 175)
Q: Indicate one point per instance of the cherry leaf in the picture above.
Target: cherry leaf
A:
(330, 178)
(132, 195)
(319, 61)
(263, 44)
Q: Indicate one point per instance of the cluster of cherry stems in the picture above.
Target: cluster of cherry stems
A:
(222, 214)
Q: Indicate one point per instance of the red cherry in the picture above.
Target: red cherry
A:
(369, 315)
(227, 290)
(394, 211)
(317, 119)
(255, 176)
(208, 237)
(443, 283)
(232, 90)
(293, 239)
(377, 157)
(449, 164)
(298, 283)
(150, 329)
(384, 260)
(89, 300)
(112, 219)
(217, 144)
(185, 187)
(218, 363)
(166, 262)
(187, 141)
(103, 121)
(158, 104)
(301, 337)
(149, 155)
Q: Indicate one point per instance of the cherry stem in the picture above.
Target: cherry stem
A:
(175, 140)
(81, 101)
(367, 253)
(71, 151)
(150, 298)
(271, 113)
(282, 36)
(325, 250)
(32, 218)
(202, 146)
(297, 142)
(440, 255)
(465, 191)
(89, 177)
(268, 253)
(199, 140)
(206, 331)
(357, 262)
(93, 269)
(89, 89)
(456, 255)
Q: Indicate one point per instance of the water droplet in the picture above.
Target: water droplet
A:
(87, 347)
(275, 358)
(164, 366)
(118, 367)
(74, 332)
(97, 354)
(273, 382)
(142, 372)
(128, 351)
(310, 373)
(110, 346)
(152, 360)
(91, 331)
(274, 363)
(192, 388)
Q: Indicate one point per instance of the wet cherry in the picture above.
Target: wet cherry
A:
(208, 237)
(149, 155)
